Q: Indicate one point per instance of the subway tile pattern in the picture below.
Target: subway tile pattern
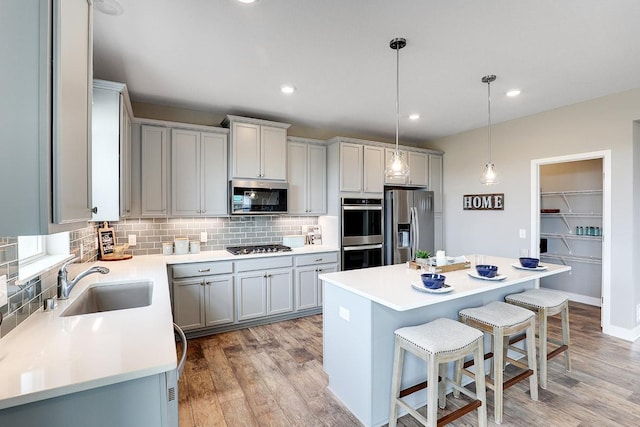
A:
(151, 233)
(24, 299)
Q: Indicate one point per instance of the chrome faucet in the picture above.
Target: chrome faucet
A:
(65, 287)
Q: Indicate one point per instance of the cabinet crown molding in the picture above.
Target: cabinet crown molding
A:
(230, 118)
(338, 139)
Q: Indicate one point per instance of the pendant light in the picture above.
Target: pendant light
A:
(397, 166)
(489, 174)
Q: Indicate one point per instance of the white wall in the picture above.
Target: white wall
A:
(600, 124)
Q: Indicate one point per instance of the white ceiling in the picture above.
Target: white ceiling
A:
(222, 56)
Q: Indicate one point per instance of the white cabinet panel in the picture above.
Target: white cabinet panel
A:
(218, 300)
(273, 153)
(154, 171)
(418, 169)
(258, 148)
(188, 303)
(435, 181)
(279, 291)
(373, 178)
(185, 172)
(351, 167)
(246, 150)
(307, 178)
(214, 174)
(251, 295)
(361, 168)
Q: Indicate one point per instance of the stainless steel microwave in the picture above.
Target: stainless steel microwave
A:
(257, 197)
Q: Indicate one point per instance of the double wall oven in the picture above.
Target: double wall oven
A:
(362, 233)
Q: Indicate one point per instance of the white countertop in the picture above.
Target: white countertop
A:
(48, 355)
(391, 285)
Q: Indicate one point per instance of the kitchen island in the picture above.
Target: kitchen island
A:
(363, 308)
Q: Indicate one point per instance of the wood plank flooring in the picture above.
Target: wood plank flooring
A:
(272, 375)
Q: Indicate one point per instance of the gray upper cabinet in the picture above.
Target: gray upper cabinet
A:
(111, 151)
(435, 181)
(307, 177)
(154, 152)
(199, 171)
(46, 113)
(361, 168)
(258, 148)
(418, 169)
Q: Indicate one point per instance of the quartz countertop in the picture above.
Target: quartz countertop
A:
(48, 355)
(391, 285)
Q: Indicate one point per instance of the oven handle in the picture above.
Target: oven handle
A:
(357, 248)
(362, 208)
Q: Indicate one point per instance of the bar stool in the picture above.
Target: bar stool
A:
(502, 320)
(438, 342)
(546, 303)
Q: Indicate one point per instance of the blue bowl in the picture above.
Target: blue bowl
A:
(529, 262)
(487, 270)
(432, 280)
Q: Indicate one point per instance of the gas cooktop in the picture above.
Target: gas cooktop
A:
(257, 249)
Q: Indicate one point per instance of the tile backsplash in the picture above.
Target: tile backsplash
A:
(26, 297)
(221, 232)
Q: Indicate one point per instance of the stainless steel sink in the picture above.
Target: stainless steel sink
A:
(111, 296)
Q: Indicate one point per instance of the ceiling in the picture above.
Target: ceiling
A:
(222, 56)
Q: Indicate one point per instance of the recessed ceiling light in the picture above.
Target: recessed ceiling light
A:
(513, 92)
(247, 1)
(414, 116)
(109, 7)
(288, 89)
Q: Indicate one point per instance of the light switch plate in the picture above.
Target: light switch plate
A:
(3, 290)
(203, 237)
(132, 240)
(523, 233)
(344, 313)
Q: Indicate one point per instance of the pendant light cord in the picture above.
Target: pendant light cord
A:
(397, 96)
(489, 116)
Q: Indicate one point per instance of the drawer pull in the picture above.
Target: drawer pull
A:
(318, 259)
(204, 270)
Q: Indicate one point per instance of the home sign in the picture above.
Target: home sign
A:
(483, 202)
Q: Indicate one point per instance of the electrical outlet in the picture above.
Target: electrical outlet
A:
(344, 313)
(132, 239)
(523, 233)
(203, 237)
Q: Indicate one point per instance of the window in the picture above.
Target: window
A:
(31, 248)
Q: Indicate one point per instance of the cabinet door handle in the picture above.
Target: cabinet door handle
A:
(264, 275)
(202, 283)
(319, 270)
(204, 270)
(208, 283)
(94, 210)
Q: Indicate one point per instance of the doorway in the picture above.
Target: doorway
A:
(575, 221)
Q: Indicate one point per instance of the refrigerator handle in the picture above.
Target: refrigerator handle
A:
(414, 233)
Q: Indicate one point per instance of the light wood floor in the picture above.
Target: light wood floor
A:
(272, 376)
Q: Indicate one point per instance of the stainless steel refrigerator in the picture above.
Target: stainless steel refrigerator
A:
(408, 224)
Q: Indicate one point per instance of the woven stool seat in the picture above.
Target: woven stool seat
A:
(439, 336)
(438, 343)
(539, 298)
(545, 303)
(498, 314)
(502, 320)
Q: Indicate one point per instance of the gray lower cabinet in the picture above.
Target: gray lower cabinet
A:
(264, 287)
(202, 294)
(308, 286)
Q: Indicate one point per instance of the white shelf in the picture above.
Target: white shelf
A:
(572, 214)
(571, 193)
(564, 195)
(570, 236)
(571, 258)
